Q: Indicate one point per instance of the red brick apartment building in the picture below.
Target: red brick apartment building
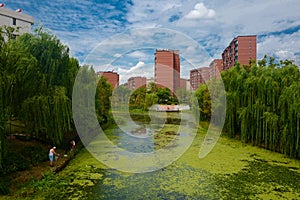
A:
(167, 68)
(215, 68)
(136, 82)
(183, 83)
(199, 76)
(241, 49)
(112, 77)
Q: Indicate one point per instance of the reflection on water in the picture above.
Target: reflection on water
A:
(134, 144)
(141, 145)
(150, 133)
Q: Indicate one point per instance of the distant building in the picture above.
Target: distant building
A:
(167, 69)
(195, 78)
(136, 82)
(15, 19)
(112, 77)
(215, 68)
(205, 73)
(241, 49)
(198, 76)
(188, 84)
(183, 83)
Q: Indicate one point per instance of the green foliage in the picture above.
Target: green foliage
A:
(151, 99)
(143, 98)
(103, 94)
(4, 190)
(263, 105)
(165, 96)
(204, 102)
(36, 82)
(50, 187)
(183, 95)
(120, 97)
(35, 154)
(15, 162)
(137, 99)
(22, 158)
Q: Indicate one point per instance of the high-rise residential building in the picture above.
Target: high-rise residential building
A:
(111, 77)
(198, 76)
(215, 68)
(241, 49)
(188, 85)
(195, 79)
(183, 83)
(136, 82)
(19, 21)
(205, 73)
(167, 69)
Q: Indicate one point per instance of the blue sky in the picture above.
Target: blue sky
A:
(135, 28)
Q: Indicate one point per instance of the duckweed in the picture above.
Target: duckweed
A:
(232, 170)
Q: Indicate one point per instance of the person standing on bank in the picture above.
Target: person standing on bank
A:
(72, 145)
(52, 153)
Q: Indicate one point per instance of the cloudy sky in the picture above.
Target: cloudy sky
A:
(123, 35)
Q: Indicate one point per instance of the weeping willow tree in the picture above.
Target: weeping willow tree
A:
(13, 65)
(37, 76)
(46, 109)
(263, 105)
(48, 116)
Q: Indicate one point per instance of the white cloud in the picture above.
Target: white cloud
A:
(139, 65)
(171, 6)
(117, 55)
(280, 46)
(138, 54)
(84, 24)
(140, 69)
(284, 54)
(200, 12)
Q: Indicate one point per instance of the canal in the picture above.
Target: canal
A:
(232, 170)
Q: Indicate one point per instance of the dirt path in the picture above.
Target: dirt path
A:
(18, 179)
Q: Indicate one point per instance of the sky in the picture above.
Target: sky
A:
(123, 35)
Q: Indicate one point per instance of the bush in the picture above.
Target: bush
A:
(15, 162)
(3, 188)
(19, 161)
(35, 154)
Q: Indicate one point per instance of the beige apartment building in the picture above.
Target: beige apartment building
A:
(15, 19)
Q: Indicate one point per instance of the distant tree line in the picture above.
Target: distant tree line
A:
(144, 97)
(263, 104)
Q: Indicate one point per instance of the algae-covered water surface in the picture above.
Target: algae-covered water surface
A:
(232, 170)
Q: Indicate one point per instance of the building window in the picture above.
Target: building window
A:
(14, 21)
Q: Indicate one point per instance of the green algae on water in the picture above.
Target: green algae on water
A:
(232, 170)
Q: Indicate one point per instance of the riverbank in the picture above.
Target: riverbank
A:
(16, 180)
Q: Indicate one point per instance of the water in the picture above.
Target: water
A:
(232, 170)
